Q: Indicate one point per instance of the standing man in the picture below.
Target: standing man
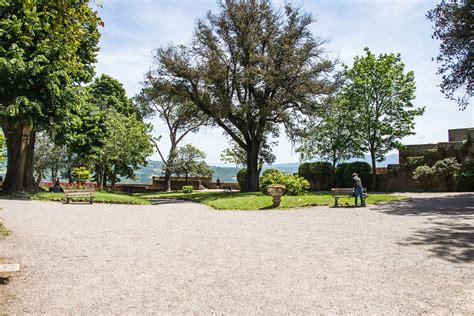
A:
(218, 182)
(358, 190)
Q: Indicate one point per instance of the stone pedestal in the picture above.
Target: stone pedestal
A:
(276, 192)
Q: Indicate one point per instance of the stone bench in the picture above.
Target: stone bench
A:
(79, 194)
(338, 193)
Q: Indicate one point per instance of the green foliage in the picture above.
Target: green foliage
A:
(242, 180)
(336, 138)
(126, 144)
(453, 28)
(108, 93)
(270, 171)
(382, 94)
(344, 171)
(81, 174)
(446, 169)
(465, 177)
(47, 51)
(189, 161)
(253, 69)
(294, 184)
(49, 158)
(317, 173)
(187, 189)
(43, 55)
(424, 175)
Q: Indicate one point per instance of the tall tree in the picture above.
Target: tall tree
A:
(335, 138)
(46, 48)
(179, 114)
(382, 94)
(252, 69)
(453, 27)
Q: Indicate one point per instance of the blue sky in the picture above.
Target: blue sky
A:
(134, 28)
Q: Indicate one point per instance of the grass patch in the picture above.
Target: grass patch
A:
(100, 197)
(259, 201)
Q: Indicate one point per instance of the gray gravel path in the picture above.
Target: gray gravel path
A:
(406, 257)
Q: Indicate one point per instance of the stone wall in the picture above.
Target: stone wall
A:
(460, 134)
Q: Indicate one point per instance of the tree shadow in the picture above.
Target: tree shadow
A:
(462, 204)
(453, 242)
(168, 201)
(449, 232)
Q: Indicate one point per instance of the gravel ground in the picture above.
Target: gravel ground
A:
(406, 257)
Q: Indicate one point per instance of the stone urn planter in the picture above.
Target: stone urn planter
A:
(276, 192)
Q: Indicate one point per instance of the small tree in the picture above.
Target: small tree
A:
(126, 145)
(424, 175)
(382, 95)
(446, 169)
(189, 160)
(81, 174)
(336, 138)
(49, 157)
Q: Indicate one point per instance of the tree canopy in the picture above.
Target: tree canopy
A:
(452, 24)
(43, 58)
(252, 69)
(382, 94)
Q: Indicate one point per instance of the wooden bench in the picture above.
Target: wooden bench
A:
(346, 193)
(78, 194)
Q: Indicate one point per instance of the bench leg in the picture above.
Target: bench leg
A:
(67, 200)
(336, 199)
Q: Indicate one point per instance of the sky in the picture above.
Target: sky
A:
(133, 29)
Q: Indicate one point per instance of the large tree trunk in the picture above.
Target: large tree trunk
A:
(169, 165)
(374, 171)
(252, 168)
(20, 141)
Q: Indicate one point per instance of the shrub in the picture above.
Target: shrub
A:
(270, 171)
(344, 171)
(465, 177)
(241, 179)
(187, 189)
(294, 184)
(81, 174)
(446, 169)
(317, 173)
(424, 175)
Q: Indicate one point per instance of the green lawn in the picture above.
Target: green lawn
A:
(100, 197)
(258, 201)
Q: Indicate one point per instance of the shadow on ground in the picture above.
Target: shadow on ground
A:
(167, 201)
(449, 231)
